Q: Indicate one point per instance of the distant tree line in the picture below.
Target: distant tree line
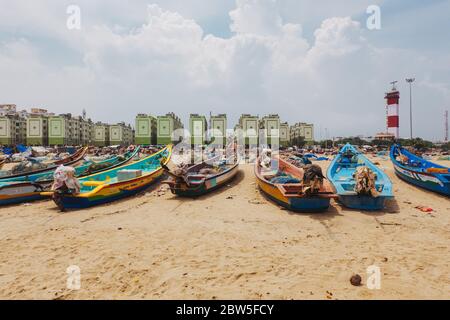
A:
(417, 143)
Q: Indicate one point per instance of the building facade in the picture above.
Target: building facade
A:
(7, 109)
(86, 132)
(167, 127)
(302, 131)
(270, 125)
(250, 129)
(218, 130)
(121, 134)
(384, 136)
(65, 129)
(37, 128)
(101, 134)
(285, 135)
(198, 127)
(145, 130)
(58, 128)
(13, 129)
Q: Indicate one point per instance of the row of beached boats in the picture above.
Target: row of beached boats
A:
(351, 178)
(289, 180)
(30, 185)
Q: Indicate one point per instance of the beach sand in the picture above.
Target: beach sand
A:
(232, 244)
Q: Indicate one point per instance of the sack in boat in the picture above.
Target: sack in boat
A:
(312, 179)
(365, 181)
(65, 180)
(179, 170)
(402, 159)
(266, 158)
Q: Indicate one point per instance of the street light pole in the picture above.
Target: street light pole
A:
(410, 81)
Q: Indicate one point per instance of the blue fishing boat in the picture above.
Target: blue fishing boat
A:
(420, 172)
(358, 182)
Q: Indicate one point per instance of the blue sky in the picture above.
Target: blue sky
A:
(306, 60)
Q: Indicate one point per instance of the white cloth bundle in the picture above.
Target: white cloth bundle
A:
(65, 176)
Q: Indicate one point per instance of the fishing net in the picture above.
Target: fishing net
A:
(28, 166)
(283, 179)
(96, 167)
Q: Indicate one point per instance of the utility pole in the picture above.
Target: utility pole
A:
(446, 126)
(410, 81)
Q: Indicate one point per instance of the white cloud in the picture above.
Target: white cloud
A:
(166, 62)
(256, 17)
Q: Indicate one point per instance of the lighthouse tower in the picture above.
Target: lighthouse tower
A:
(392, 111)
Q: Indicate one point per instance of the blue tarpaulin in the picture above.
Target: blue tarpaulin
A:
(21, 148)
(7, 151)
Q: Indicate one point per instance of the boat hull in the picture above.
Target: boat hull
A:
(11, 192)
(421, 177)
(367, 203)
(109, 194)
(208, 186)
(77, 157)
(9, 200)
(423, 181)
(341, 174)
(311, 204)
(106, 193)
(19, 193)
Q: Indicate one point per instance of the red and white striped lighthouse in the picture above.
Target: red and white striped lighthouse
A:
(392, 111)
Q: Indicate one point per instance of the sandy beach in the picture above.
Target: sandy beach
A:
(232, 244)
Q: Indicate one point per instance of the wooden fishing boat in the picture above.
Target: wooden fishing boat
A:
(73, 159)
(82, 170)
(66, 161)
(420, 172)
(291, 193)
(110, 185)
(343, 173)
(201, 178)
(30, 188)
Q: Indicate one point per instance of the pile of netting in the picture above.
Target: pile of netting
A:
(28, 166)
(365, 181)
(283, 178)
(299, 161)
(312, 179)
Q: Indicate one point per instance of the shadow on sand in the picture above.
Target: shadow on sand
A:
(390, 208)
